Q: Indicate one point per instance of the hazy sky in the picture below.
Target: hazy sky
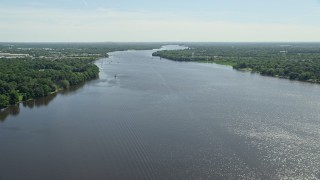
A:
(162, 20)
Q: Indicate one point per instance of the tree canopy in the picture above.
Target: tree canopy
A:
(32, 78)
(296, 61)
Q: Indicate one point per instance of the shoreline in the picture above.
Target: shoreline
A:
(54, 92)
(244, 70)
(51, 93)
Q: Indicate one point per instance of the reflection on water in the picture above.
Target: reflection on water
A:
(44, 101)
(11, 110)
(39, 102)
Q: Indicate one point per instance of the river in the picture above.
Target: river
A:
(160, 119)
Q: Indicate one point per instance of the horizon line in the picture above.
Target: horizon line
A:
(66, 42)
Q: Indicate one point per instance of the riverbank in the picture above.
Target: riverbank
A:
(299, 62)
(231, 64)
(25, 79)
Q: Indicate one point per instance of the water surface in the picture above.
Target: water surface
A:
(160, 119)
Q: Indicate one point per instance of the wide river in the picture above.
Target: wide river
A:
(160, 119)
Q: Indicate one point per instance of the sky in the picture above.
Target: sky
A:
(159, 21)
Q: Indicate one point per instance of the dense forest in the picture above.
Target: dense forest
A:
(296, 61)
(22, 79)
(33, 70)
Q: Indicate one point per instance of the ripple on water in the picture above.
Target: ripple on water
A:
(292, 147)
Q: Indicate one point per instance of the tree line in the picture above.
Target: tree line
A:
(23, 79)
(296, 61)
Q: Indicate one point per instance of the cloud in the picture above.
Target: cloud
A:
(111, 25)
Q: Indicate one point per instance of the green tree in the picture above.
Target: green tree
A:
(4, 101)
(13, 97)
(38, 92)
(65, 84)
